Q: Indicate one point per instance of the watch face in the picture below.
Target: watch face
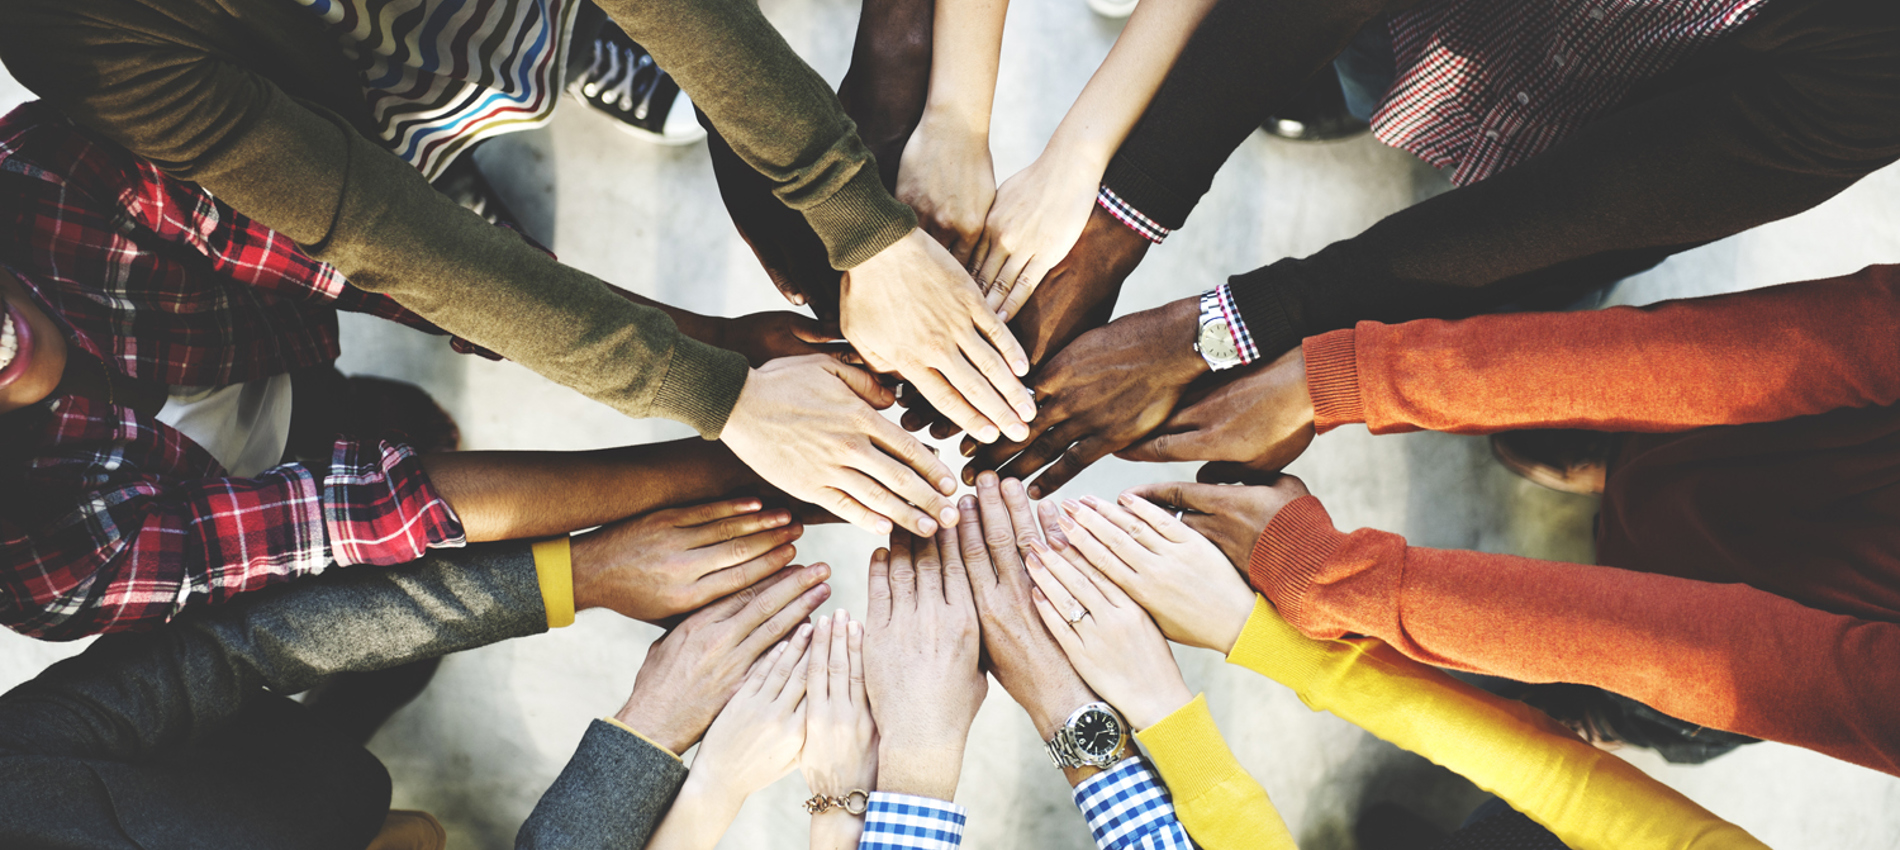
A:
(1217, 342)
(1098, 733)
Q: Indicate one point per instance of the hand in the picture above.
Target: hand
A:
(1230, 517)
(912, 310)
(778, 333)
(1110, 388)
(1186, 583)
(1078, 296)
(808, 426)
(1038, 215)
(920, 663)
(1026, 659)
(692, 672)
(757, 737)
(1110, 640)
(840, 737)
(1263, 417)
(669, 562)
(946, 176)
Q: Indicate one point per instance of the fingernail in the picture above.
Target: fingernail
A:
(821, 571)
(1070, 506)
(854, 627)
(1091, 501)
(966, 448)
(1026, 409)
(1021, 367)
(823, 623)
(1035, 491)
(946, 486)
(777, 520)
(780, 649)
(968, 503)
(987, 434)
(883, 526)
(1017, 433)
(949, 517)
(1125, 499)
(926, 528)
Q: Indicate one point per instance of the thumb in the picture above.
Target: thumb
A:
(864, 384)
(808, 329)
(1166, 448)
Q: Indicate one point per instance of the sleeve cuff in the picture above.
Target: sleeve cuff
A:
(1290, 553)
(1127, 214)
(554, 569)
(1128, 806)
(860, 219)
(1188, 750)
(702, 384)
(380, 508)
(1270, 646)
(912, 823)
(636, 733)
(1332, 379)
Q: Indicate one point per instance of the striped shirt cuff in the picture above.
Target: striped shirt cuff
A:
(1127, 214)
(904, 822)
(1243, 339)
(1128, 808)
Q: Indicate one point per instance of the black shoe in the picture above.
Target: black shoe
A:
(1563, 459)
(1317, 114)
(357, 704)
(463, 183)
(622, 82)
(1606, 720)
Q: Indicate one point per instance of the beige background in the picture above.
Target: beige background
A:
(493, 730)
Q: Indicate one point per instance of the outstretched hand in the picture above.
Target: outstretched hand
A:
(1037, 217)
(1262, 417)
(913, 310)
(772, 334)
(1232, 517)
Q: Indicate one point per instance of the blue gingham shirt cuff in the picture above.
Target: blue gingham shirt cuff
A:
(904, 822)
(1128, 808)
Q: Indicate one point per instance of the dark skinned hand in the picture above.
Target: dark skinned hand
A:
(1262, 417)
(1231, 516)
(778, 333)
(1110, 388)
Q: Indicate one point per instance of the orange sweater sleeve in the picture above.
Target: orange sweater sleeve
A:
(1726, 656)
(1757, 356)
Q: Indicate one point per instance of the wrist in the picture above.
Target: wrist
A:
(1052, 710)
(1179, 323)
(654, 727)
(919, 770)
(952, 118)
(1154, 705)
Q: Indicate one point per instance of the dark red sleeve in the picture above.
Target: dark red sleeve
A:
(1726, 656)
(1759, 356)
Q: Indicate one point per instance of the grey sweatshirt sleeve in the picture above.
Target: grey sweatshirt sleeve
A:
(131, 696)
(612, 794)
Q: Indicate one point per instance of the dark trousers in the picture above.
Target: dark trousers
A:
(1772, 119)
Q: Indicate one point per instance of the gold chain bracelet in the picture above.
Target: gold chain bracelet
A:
(853, 803)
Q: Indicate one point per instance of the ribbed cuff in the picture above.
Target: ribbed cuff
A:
(1188, 750)
(554, 570)
(702, 384)
(1332, 380)
(860, 219)
(1259, 305)
(636, 733)
(1160, 204)
(1290, 553)
(1270, 646)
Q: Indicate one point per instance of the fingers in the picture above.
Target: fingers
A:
(808, 329)
(775, 590)
(699, 515)
(1130, 538)
(1188, 445)
(929, 562)
(1014, 359)
(878, 587)
(886, 505)
(956, 579)
(1051, 520)
(976, 554)
(1163, 523)
(1012, 277)
(1068, 610)
(912, 453)
(951, 403)
(1052, 619)
(784, 619)
(1044, 448)
(864, 384)
(736, 578)
(818, 661)
(990, 270)
(855, 643)
(1079, 586)
(846, 507)
(903, 572)
(1085, 536)
(836, 670)
(743, 538)
(788, 662)
(1022, 516)
(1199, 498)
(1026, 285)
(984, 380)
(1079, 457)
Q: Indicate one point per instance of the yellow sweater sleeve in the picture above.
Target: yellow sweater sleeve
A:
(1591, 799)
(1217, 801)
(554, 569)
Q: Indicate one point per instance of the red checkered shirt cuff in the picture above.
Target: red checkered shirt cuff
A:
(380, 508)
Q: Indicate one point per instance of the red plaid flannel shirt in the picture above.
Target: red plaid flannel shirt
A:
(1486, 84)
(111, 520)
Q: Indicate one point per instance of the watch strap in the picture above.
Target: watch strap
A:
(1214, 309)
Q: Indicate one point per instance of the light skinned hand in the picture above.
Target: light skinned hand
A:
(756, 738)
(1185, 582)
(1024, 656)
(946, 176)
(921, 647)
(691, 673)
(1231, 517)
(840, 737)
(1038, 214)
(1104, 392)
(1262, 417)
(810, 426)
(662, 564)
(913, 310)
(1111, 641)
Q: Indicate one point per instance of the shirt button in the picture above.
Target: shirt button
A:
(1559, 59)
(1523, 97)
(1491, 134)
(1596, 14)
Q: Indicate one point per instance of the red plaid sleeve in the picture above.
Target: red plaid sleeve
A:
(127, 547)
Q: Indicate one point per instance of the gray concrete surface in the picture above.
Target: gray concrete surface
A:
(490, 734)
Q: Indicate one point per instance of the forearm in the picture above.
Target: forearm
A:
(1592, 800)
(700, 815)
(966, 45)
(1119, 91)
(503, 495)
(1726, 656)
(1758, 356)
(835, 830)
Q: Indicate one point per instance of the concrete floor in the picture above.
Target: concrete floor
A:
(490, 734)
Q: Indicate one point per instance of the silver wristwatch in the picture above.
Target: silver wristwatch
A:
(1216, 339)
(1092, 737)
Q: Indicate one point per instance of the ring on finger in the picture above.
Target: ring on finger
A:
(1077, 616)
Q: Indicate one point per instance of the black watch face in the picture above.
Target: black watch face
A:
(1098, 733)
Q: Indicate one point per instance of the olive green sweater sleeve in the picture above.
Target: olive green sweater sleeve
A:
(776, 112)
(185, 84)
